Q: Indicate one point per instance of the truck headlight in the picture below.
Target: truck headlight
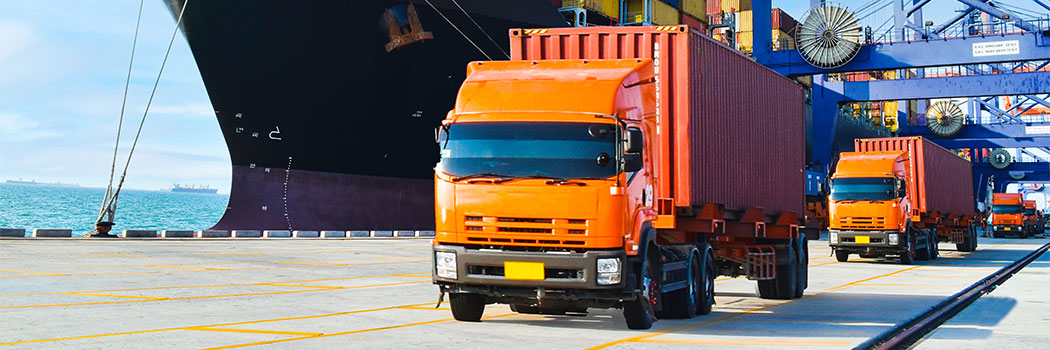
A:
(608, 271)
(445, 262)
(893, 238)
(833, 237)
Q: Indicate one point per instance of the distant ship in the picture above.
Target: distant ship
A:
(193, 189)
(33, 182)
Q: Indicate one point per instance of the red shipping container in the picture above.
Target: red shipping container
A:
(714, 7)
(693, 23)
(731, 129)
(784, 21)
(944, 181)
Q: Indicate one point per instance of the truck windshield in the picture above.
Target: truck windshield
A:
(520, 149)
(1029, 212)
(1007, 209)
(863, 189)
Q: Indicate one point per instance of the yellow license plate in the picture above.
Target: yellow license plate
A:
(863, 239)
(523, 271)
(1007, 228)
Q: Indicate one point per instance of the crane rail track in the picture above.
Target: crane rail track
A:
(912, 331)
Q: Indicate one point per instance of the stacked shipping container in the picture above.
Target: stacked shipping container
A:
(715, 109)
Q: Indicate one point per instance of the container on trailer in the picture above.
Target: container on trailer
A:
(943, 180)
(693, 23)
(734, 125)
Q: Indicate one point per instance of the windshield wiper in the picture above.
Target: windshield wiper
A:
(570, 180)
(502, 178)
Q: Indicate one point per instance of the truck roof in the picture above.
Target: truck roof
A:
(582, 87)
(1006, 198)
(867, 164)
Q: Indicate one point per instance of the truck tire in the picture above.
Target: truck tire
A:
(683, 303)
(802, 274)
(924, 252)
(783, 285)
(708, 297)
(935, 249)
(973, 240)
(467, 306)
(841, 255)
(524, 309)
(968, 240)
(640, 313)
(907, 257)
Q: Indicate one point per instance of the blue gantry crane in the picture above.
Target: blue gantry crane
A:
(986, 67)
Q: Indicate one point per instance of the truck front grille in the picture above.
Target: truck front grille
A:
(492, 225)
(862, 222)
(549, 273)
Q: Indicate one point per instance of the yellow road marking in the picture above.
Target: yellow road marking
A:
(909, 284)
(34, 273)
(744, 342)
(113, 296)
(188, 267)
(423, 308)
(295, 285)
(214, 296)
(258, 331)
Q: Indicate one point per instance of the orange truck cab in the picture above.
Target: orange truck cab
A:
(882, 201)
(1008, 215)
(559, 188)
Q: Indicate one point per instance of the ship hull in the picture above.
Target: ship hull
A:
(326, 129)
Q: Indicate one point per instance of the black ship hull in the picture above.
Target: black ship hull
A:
(326, 129)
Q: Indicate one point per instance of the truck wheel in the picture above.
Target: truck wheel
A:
(802, 256)
(707, 299)
(935, 250)
(467, 306)
(924, 252)
(682, 303)
(841, 255)
(524, 309)
(968, 240)
(783, 285)
(639, 313)
(973, 241)
(907, 257)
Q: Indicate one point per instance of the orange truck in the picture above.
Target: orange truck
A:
(1008, 215)
(900, 196)
(1031, 219)
(603, 167)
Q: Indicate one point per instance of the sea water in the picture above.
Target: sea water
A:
(76, 208)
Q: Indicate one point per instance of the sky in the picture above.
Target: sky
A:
(63, 64)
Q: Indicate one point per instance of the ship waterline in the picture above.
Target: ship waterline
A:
(327, 129)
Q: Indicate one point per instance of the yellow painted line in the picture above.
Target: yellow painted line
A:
(910, 284)
(188, 267)
(827, 263)
(296, 285)
(937, 277)
(257, 331)
(35, 273)
(349, 332)
(214, 296)
(113, 296)
(744, 342)
(423, 308)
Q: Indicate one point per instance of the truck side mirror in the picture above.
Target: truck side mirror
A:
(632, 162)
(902, 189)
(634, 141)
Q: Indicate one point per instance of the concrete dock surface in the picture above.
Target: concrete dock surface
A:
(314, 294)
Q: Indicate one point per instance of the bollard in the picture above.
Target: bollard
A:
(333, 234)
(213, 234)
(382, 233)
(140, 233)
(247, 233)
(12, 232)
(277, 234)
(177, 234)
(306, 234)
(47, 232)
(360, 234)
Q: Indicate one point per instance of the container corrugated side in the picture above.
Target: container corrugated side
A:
(945, 180)
(741, 123)
(697, 8)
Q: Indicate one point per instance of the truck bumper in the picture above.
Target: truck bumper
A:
(1008, 230)
(567, 276)
(879, 242)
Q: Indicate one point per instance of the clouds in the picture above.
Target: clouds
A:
(17, 128)
(63, 67)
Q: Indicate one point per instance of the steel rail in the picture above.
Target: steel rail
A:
(910, 332)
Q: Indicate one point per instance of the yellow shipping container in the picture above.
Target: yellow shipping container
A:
(745, 22)
(744, 41)
(697, 8)
(782, 41)
(609, 8)
(664, 14)
(738, 5)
